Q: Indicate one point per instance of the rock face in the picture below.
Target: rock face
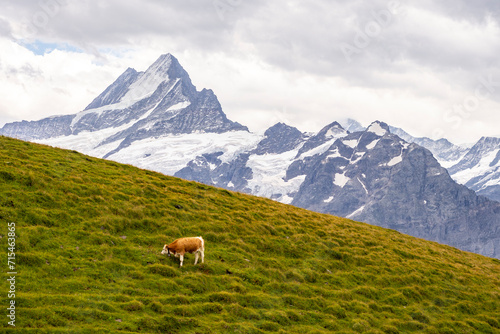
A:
(158, 120)
(278, 139)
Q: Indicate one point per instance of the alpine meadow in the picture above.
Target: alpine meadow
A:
(89, 234)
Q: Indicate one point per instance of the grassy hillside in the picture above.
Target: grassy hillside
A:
(90, 232)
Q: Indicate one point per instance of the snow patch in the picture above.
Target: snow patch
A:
(356, 212)
(180, 105)
(334, 154)
(364, 187)
(372, 144)
(357, 156)
(351, 143)
(377, 129)
(318, 150)
(329, 200)
(340, 180)
(395, 161)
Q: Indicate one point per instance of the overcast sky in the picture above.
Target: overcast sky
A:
(430, 67)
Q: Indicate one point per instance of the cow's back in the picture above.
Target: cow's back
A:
(193, 244)
(189, 245)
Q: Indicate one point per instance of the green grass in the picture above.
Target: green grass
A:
(90, 232)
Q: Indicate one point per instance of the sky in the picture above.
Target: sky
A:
(429, 67)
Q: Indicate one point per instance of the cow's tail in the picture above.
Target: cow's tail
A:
(202, 243)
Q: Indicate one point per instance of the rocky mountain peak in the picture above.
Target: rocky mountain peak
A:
(328, 134)
(279, 138)
(378, 128)
(352, 125)
(137, 105)
(115, 92)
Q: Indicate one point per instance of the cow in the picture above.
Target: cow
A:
(181, 246)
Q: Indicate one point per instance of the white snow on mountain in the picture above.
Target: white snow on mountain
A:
(148, 81)
(169, 154)
(351, 143)
(372, 144)
(86, 142)
(341, 180)
(377, 129)
(479, 169)
(483, 167)
(180, 105)
(318, 150)
(166, 154)
(269, 171)
(356, 212)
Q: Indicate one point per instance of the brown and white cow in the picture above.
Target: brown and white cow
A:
(182, 246)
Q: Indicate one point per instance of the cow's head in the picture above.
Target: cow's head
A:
(165, 250)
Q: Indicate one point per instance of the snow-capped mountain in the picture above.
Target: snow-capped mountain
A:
(137, 106)
(158, 120)
(352, 125)
(377, 177)
(480, 168)
(447, 153)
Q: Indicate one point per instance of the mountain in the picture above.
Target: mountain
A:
(443, 150)
(159, 121)
(447, 153)
(480, 168)
(137, 106)
(476, 167)
(352, 125)
(90, 232)
(376, 177)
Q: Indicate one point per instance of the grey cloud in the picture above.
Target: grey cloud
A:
(291, 35)
(296, 36)
(5, 29)
(308, 37)
(197, 24)
(24, 70)
(474, 11)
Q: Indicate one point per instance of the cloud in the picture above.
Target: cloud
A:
(5, 29)
(407, 63)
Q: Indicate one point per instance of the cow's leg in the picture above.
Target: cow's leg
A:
(181, 256)
(202, 253)
(196, 254)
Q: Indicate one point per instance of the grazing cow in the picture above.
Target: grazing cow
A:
(180, 246)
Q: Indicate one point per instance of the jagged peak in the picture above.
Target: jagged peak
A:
(352, 125)
(169, 65)
(379, 128)
(489, 140)
(332, 130)
(280, 127)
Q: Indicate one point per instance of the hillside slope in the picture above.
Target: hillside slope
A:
(90, 232)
